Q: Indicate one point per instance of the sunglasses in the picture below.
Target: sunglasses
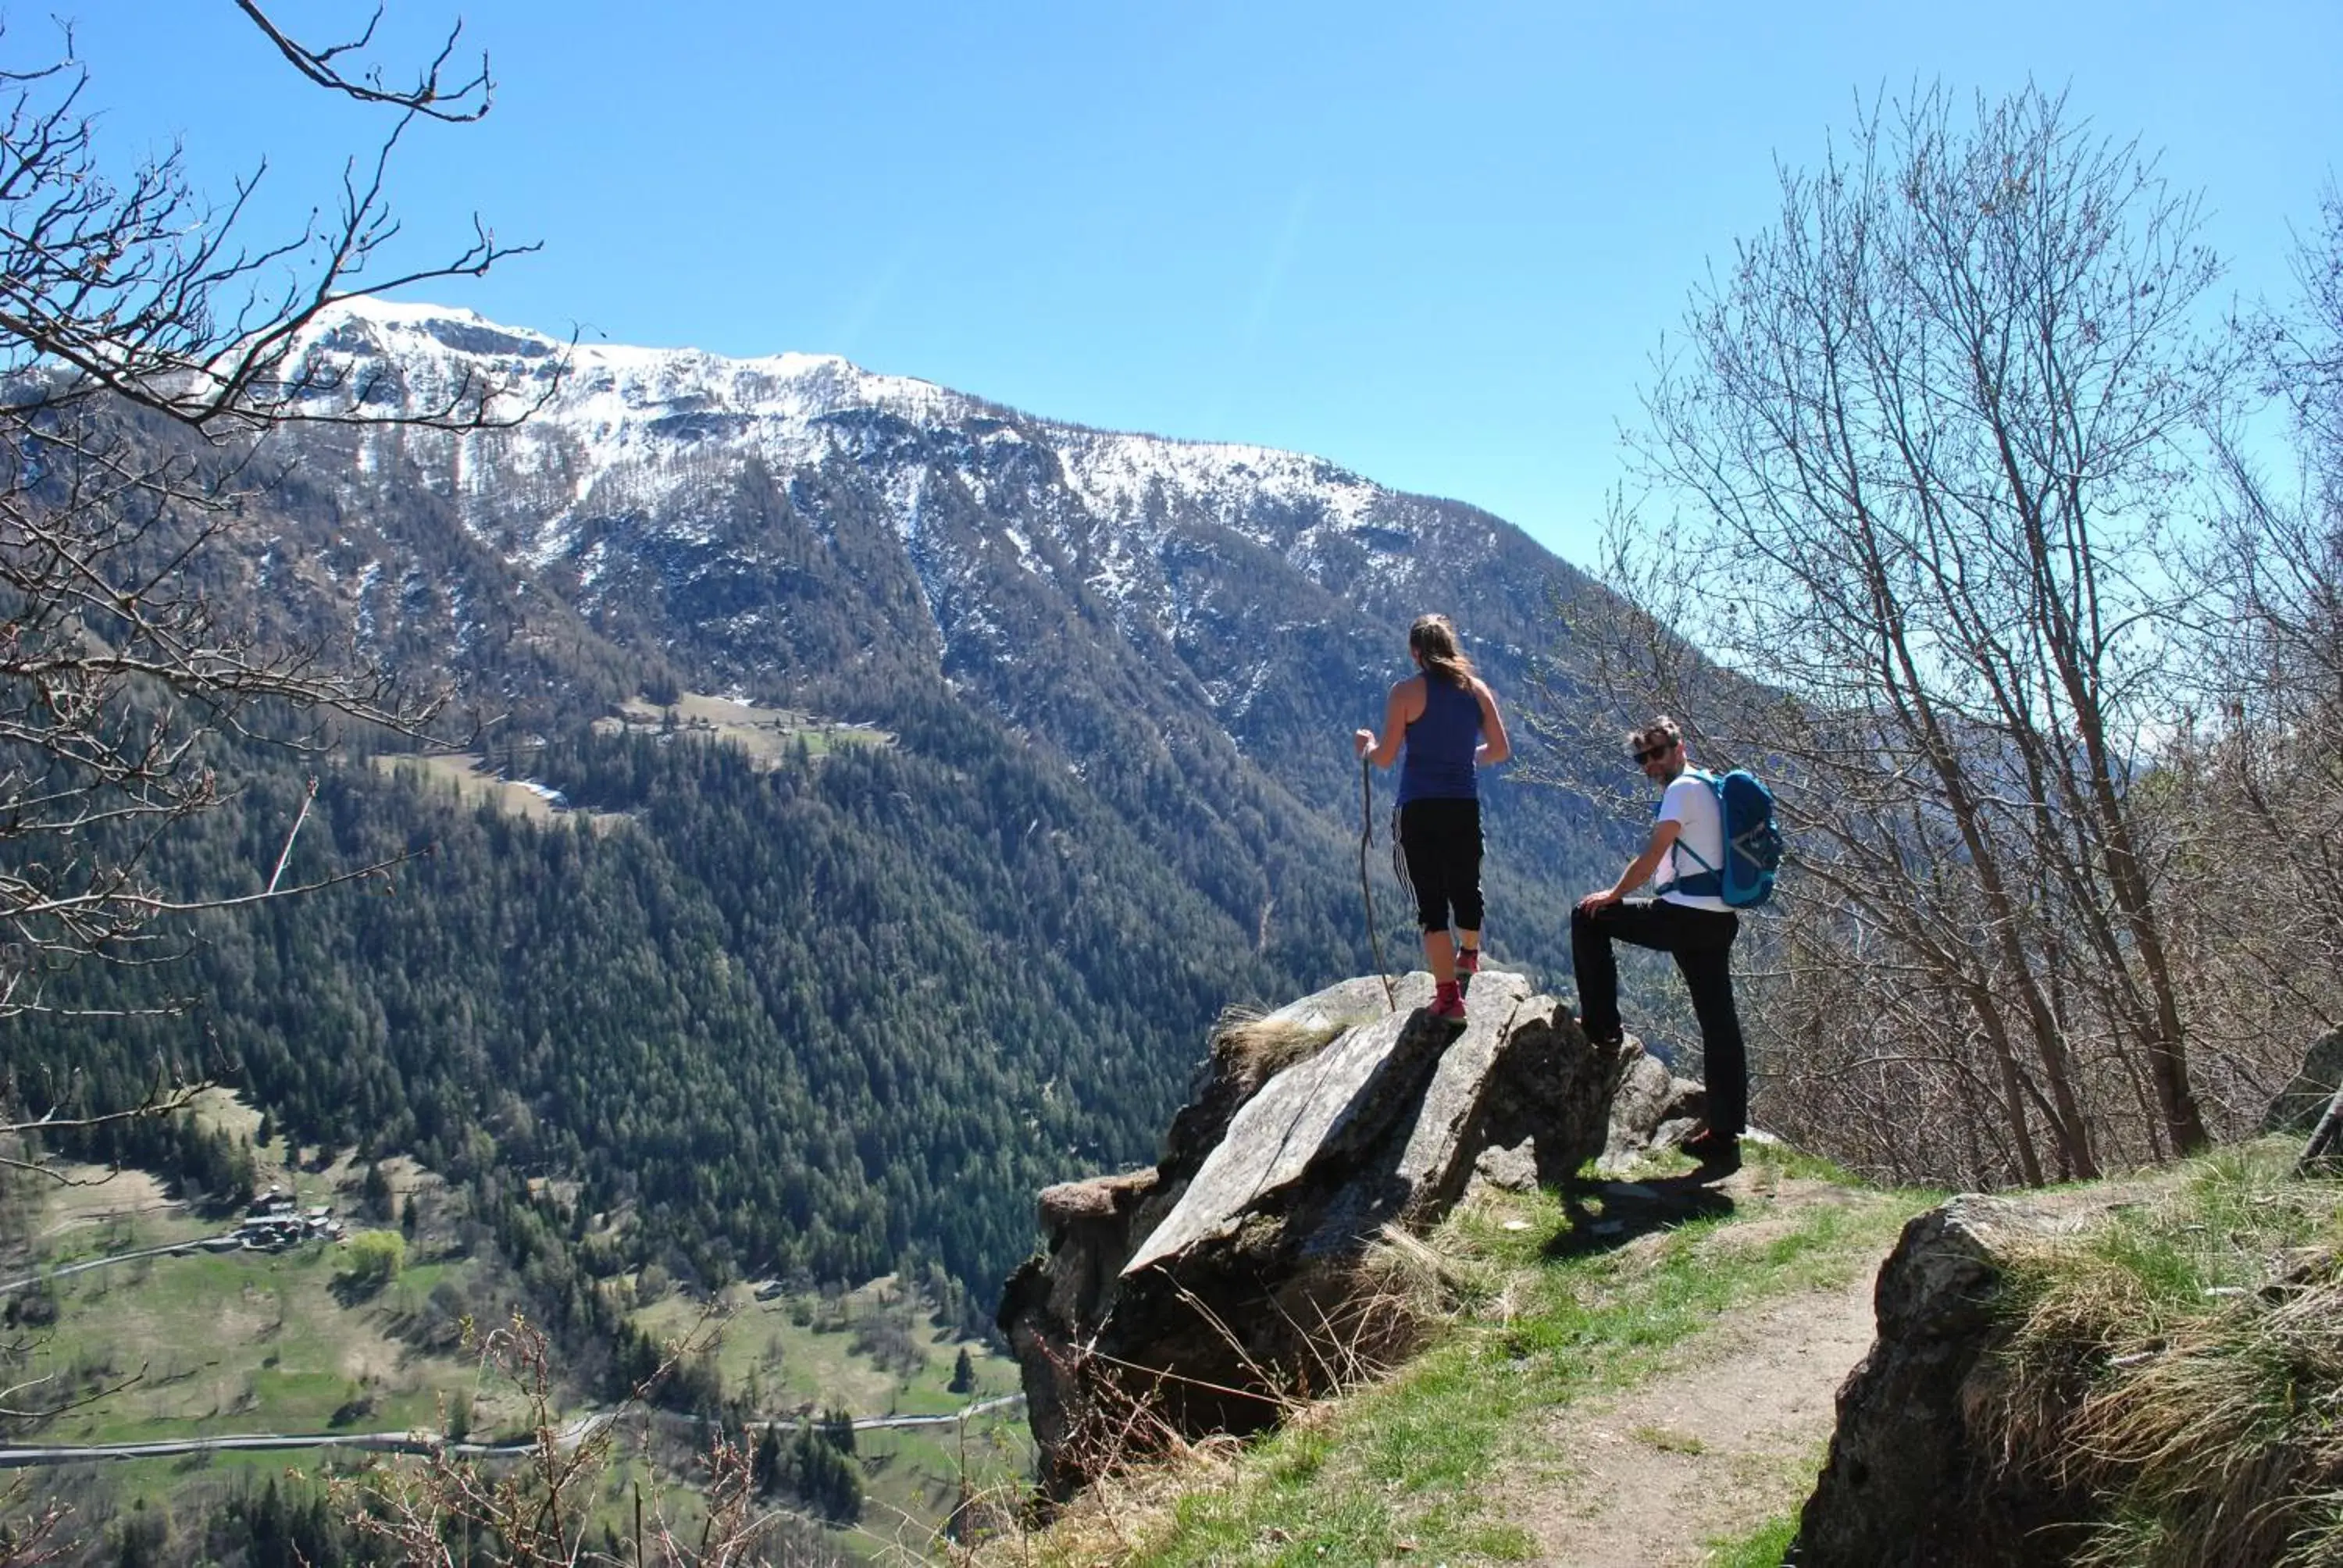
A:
(1654, 755)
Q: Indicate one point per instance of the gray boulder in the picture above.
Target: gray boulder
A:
(1911, 1480)
(2300, 1104)
(1651, 1102)
(1206, 1292)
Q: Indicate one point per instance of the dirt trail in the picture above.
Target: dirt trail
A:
(1730, 1436)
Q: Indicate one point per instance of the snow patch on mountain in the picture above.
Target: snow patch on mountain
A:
(1026, 558)
(663, 439)
(1118, 476)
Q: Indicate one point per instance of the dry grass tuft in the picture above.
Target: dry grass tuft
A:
(1138, 1467)
(1436, 1278)
(1405, 1291)
(2185, 1373)
(1121, 1512)
(1253, 1049)
(2079, 1316)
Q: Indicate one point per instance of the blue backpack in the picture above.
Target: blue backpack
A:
(1753, 843)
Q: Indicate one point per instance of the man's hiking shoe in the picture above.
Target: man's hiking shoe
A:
(1448, 1002)
(1468, 964)
(1716, 1151)
(1611, 1042)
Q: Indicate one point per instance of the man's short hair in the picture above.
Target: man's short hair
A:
(1662, 730)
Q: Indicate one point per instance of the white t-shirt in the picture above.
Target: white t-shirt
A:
(1691, 803)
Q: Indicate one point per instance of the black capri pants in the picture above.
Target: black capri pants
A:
(1439, 859)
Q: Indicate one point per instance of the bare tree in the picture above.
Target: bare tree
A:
(149, 345)
(540, 1512)
(2263, 763)
(148, 348)
(1930, 437)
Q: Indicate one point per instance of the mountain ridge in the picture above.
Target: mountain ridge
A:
(615, 403)
(701, 504)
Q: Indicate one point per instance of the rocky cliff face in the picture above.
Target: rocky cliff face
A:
(1206, 1292)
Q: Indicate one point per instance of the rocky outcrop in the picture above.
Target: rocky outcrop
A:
(2300, 1104)
(1652, 1107)
(1914, 1480)
(1206, 1293)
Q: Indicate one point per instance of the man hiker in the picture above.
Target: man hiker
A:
(1685, 917)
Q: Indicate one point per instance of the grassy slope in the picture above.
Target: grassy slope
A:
(2181, 1360)
(798, 1355)
(764, 733)
(209, 1344)
(2186, 1332)
(1548, 1306)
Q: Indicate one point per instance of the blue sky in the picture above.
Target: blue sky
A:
(1435, 243)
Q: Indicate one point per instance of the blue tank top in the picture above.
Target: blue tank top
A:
(1438, 764)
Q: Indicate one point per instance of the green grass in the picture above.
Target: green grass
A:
(766, 734)
(208, 1344)
(470, 782)
(155, 1483)
(211, 1344)
(910, 1479)
(1397, 1470)
(1795, 1163)
(2234, 1210)
(796, 1365)
(1761, 1548)
(217, 1343)
(2174, 1258)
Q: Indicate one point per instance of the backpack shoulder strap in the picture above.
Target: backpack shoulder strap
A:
(1714, 788)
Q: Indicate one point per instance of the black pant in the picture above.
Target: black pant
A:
(1702, 943)
(1439, 846)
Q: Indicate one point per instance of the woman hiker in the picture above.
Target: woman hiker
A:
(1446, 718)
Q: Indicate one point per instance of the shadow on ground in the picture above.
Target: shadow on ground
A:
(1604, 1215)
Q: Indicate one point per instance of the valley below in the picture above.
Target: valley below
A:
(160, 1366)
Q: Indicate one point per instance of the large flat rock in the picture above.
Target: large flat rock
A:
(1338, 1104)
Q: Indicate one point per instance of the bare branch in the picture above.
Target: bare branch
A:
(147, 352)
(429, 94)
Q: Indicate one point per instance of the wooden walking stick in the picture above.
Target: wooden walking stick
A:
(1366, 897)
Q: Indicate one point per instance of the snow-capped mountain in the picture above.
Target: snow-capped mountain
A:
(721, 489)
(1192, 628)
